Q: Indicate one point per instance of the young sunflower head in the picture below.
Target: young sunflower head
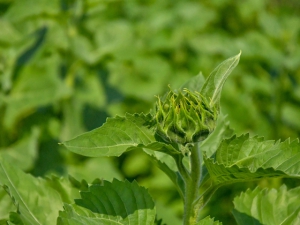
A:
(185, 117)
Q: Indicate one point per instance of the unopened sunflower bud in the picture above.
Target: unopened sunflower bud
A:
(185, 117)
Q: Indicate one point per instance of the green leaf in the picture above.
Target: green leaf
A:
(214, 83)
(118, 135)
(242, 218)
(114, 137)
(247, 158)
(211, 144)
(208, 221)
(111, 203)
(32, 196)
(269, 206)
(75, 215)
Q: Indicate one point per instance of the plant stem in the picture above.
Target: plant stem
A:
(192, 186)
(181, 168)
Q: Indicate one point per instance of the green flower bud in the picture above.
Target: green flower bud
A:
(185, 117)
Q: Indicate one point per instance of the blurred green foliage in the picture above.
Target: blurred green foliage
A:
(66, 65)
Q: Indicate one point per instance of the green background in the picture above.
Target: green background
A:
(66, 65)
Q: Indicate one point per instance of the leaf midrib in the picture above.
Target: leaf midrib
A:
(273, 148)
(12, 184)
(116, 145)
(222, 81)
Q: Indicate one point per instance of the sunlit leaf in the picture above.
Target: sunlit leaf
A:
(31, 196)
(268, 206)
(114, 137)
(111, 203)
(118, 135)
(247, 158)
(213, 85)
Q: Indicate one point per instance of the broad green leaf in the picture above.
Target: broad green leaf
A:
(31, 196)
(208, 221)
(127, 200)
(75, 215)
(118, 135)
(114, 137)
(111, 203)
(246, 158)
(294, 218)
(268, 206)
(214, 83)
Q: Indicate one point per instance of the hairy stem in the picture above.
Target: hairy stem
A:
(192, 186)
(205, 196)
(181, 168)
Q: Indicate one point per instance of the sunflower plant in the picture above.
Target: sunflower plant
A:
(187, 138)
(182, 127)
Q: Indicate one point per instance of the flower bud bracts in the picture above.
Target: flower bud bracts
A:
(185, 117)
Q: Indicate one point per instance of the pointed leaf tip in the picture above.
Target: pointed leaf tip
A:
(214, 83)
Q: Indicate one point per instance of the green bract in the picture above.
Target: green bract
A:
(185, 117)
